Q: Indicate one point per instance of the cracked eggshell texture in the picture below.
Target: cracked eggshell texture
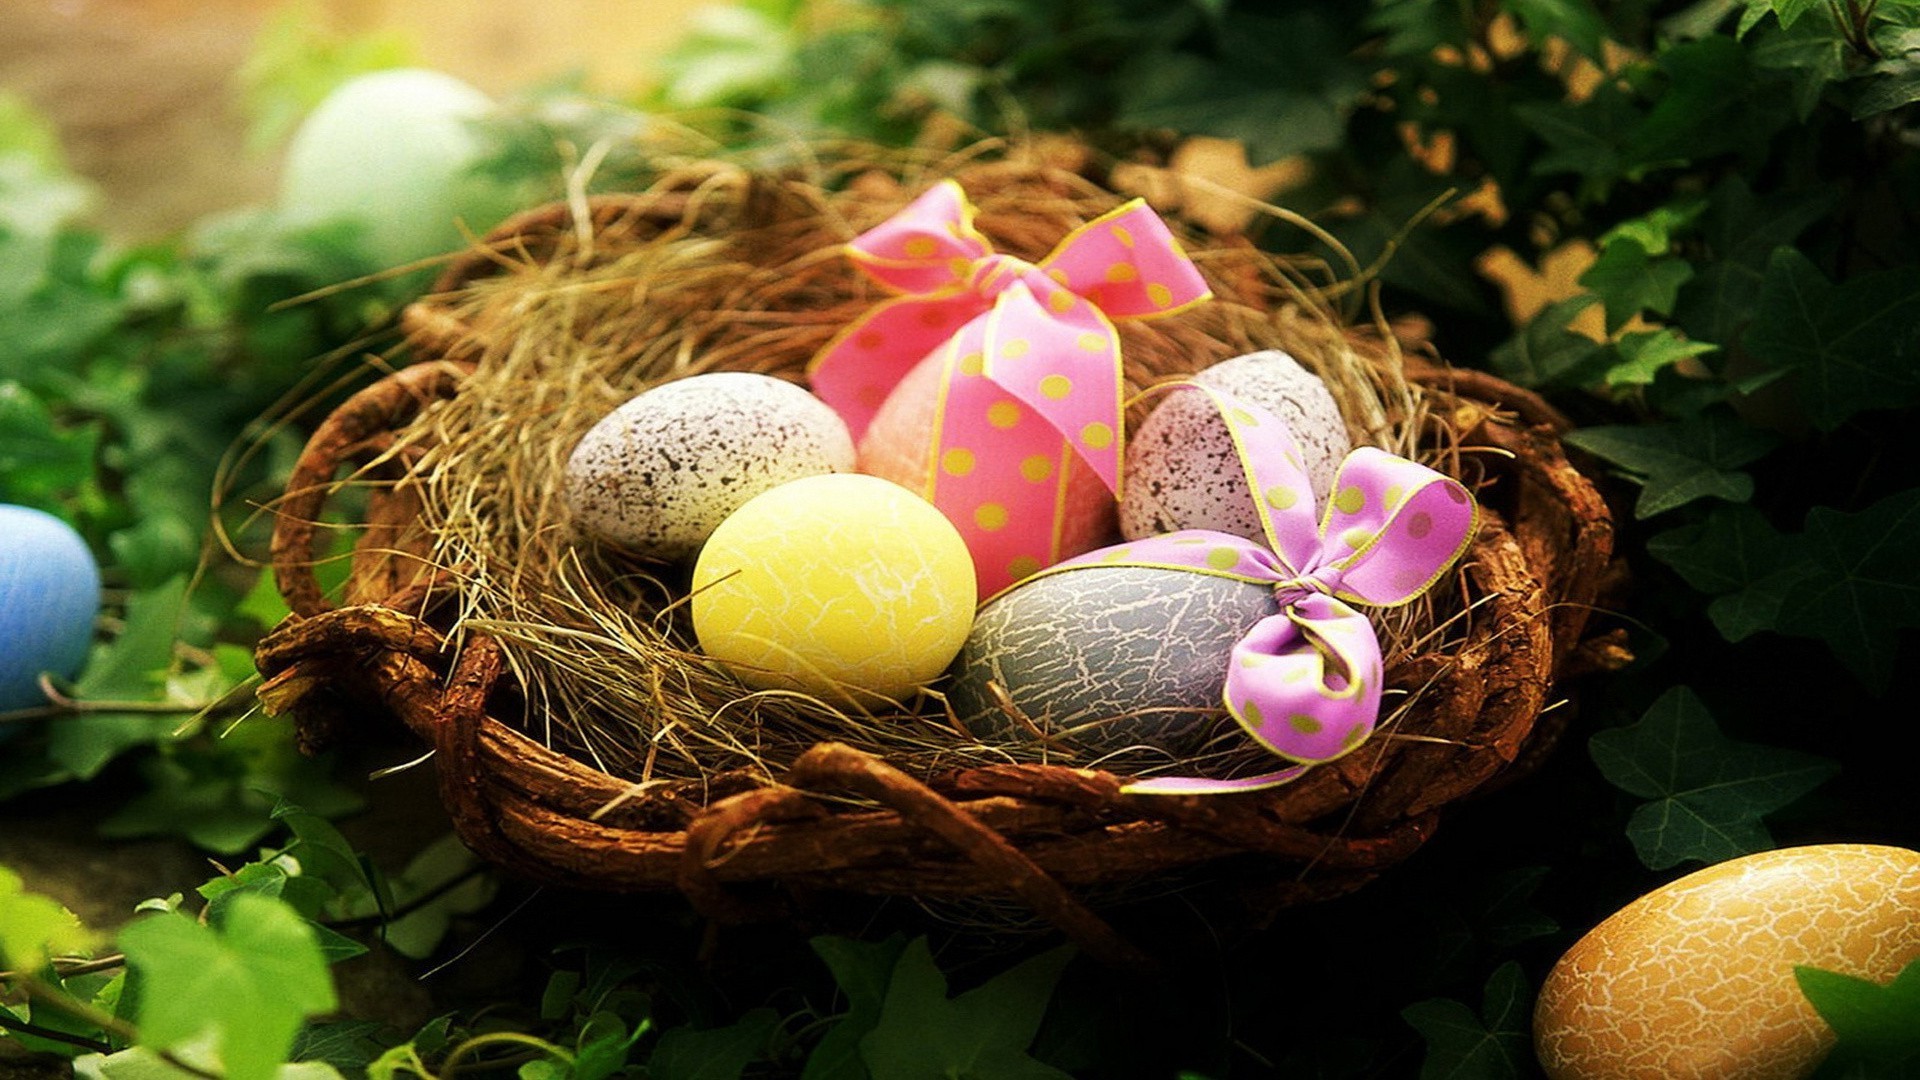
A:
(1694, 981)
(1108, 656)
(1182, 471)
(845, 586)
(661, 472)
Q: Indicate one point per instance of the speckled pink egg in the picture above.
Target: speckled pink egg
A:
(1182, 471)
(1694, 981)
(661, 472)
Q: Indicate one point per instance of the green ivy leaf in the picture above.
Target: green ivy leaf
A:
(1712, 105)
(1706, 793)
(1281, 85)
(1737, 557)
(42, 461)
(437, 866)
(862, 970)
(1495, 1044)
(1873, 1023)
(142, 1063)
(1573, 21)
(1631, 282)
(1850, 347)
(132, 668)
(1863, 584)
(1680, 462)
(1846, 580)
(248, 983)
(1657, 230)
(1588, 139)
(1644, 354)
(1547, 354)
(34, 928)
(713, 1054)
(981, 1035)
(1811, 55)
(1742, 230)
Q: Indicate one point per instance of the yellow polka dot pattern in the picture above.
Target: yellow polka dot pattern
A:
(845, 586)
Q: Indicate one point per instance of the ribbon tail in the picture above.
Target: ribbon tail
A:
(1201, 785)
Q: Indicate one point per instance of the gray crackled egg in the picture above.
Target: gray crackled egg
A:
(661, 472)
(1106, 657)
(1181, 469)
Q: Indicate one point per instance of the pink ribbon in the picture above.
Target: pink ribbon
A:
(1306, 683)
(1032, 375)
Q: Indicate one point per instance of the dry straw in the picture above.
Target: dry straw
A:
(489, 606)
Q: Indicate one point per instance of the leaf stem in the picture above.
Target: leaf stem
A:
(20, 1027)
(379, 918)
(53, 998)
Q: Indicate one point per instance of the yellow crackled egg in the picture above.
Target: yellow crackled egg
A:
(847, 586)
(1694, 981)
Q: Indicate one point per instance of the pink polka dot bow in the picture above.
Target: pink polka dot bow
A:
(1306, 683)
(1031, 378)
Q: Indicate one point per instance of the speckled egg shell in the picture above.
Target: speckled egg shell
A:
(1107, 656)
(1181, 468)
(661, 472)
(1694, 981)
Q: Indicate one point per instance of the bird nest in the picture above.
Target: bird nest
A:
(579, 736)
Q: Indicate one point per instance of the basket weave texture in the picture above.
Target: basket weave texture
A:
(739, 843)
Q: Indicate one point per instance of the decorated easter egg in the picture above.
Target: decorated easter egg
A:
(1182, 471)
(661, 472)
(849, 587)
(898, 445)
(1106, 657)
(1694, 981)
(49, 595)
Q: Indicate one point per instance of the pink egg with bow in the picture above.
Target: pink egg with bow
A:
(896, 447)
(993, 385)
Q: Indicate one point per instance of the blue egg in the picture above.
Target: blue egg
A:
(49, 595)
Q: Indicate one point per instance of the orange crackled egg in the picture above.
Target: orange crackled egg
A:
(1694, 981)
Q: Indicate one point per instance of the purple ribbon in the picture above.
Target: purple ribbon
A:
(1306, 683)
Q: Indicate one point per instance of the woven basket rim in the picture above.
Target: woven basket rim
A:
(1042, 833)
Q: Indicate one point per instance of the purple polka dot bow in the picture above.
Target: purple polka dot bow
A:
(1306, 683)
(1031, 376)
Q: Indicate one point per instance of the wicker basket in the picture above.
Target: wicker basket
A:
(844, 818)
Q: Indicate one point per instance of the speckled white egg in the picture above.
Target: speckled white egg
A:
(1181, 468)
(661, 472)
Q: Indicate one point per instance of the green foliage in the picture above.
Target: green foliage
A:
(980, 1034)
(1878, 1027)
(1494, 1044)
(1705, 793)
(1679, 462)
(246, 982)
(1743, 349)
(34, 928)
